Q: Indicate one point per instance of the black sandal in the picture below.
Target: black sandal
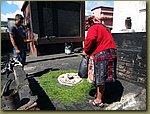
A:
(94, 103)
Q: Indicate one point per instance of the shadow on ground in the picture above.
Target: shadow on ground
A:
(40, 73)
(43, 101)
(113, 92)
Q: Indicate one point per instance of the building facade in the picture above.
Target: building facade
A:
(135, 10)
(105, 14)
(54, 23)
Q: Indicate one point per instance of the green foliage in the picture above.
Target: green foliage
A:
(64, 94)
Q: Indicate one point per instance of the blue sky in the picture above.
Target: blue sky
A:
(92, 4)
(5, 5)
(10, 8)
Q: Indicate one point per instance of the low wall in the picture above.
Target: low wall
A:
(132, 53)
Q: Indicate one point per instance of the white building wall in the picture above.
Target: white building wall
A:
(97, 12)
(134, 9)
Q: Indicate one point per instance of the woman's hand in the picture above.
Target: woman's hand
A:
(84, 54)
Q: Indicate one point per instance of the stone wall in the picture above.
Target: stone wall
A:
(132, 56)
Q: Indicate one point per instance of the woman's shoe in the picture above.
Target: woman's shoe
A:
(94, 103)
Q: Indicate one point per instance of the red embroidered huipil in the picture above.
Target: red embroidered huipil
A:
(98, 39)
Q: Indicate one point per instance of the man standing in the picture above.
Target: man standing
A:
(17, 37)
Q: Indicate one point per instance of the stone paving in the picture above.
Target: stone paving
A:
(126, 96)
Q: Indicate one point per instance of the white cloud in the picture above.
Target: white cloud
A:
(10, 15)
(18, 3)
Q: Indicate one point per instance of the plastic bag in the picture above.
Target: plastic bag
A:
(83, 68)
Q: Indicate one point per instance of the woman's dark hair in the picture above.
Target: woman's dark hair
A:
(89, 22)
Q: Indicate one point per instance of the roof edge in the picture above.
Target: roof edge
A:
(102, 7)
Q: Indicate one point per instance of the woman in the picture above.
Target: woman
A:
(99, 45)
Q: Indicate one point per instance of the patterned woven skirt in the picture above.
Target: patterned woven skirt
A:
(105, 63)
